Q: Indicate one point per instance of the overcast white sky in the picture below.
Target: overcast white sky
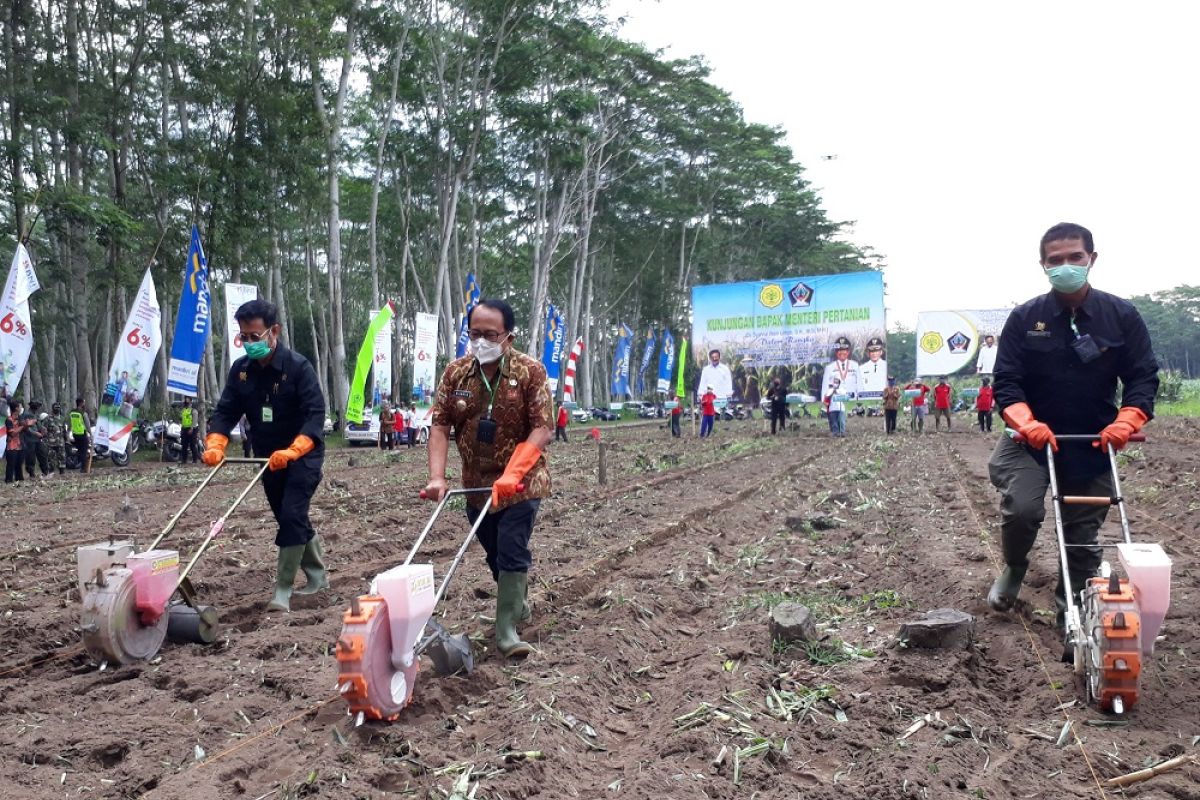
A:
(963, 130)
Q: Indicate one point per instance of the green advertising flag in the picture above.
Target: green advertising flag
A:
(366, 358)
(680, 392)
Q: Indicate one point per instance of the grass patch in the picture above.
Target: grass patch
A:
(865, 471)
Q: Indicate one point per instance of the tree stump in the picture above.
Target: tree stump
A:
(940, 629)
(790, 623)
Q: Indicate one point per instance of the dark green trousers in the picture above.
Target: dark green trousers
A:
(1023, 482)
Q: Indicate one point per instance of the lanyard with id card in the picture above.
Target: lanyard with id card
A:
(485, 433)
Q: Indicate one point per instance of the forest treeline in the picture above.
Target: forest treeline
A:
(338, 153)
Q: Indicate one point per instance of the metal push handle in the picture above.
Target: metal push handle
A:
(170, 526)
(438, 511)
(215, 530)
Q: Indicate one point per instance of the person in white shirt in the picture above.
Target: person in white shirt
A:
(844, 368)
(986, 363)
(872, 373)
(718, 376)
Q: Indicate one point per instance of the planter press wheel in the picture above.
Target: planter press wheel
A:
(112, 629)
(366, 678)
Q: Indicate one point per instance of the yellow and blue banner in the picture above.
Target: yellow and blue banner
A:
(620, 370)
(552, 347)
(192, 322)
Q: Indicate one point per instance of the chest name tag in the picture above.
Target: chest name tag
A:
(462, 393)
(268, 414)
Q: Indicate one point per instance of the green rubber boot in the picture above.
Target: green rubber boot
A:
(526, 608)
(1003, 594)
(285, 574)
(313, 564)
(510, 598)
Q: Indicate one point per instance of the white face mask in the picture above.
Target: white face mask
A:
(486, 352)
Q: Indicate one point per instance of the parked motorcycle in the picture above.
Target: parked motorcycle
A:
(102, 451)
(164, 436)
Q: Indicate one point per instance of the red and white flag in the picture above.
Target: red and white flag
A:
(569, 380)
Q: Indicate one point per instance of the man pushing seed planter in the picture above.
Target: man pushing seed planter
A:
(498, 402)
(278, 392)
(1059, 359)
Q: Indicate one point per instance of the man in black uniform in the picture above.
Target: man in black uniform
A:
(1059, 359)
(777, 394)
(278, 392)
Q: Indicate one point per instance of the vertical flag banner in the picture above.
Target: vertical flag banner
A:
(620, 368)
(364, 363)
(552, 348)
(424, 357)
(647, 354)
(191, 324)
(130, 371)
(16, 327)
(666, 362)
(680, 392)
(470, 298)
(235, 295)
(383, 362)
(569, 377)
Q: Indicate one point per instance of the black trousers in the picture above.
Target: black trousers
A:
(985, 421)
(779, 416)
(889, 419)
(81, 450)
(675, 425)
(505, 536)
(289, 493)
(13, 461)
(187, 444)
(560, 433)
(36, 452)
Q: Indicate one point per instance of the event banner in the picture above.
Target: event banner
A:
(647, 354)
(470, 298)
(666, 362)
(191, 324)
(424, 356)
(235, 295)
(383, 361)
(950, 342)
(795, 329)
(16, 326)
(366, 361)
(552, 348)
(620, 367)
(130, 371)
(569, 375)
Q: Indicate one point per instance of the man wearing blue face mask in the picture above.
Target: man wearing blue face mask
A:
(1059, 360)
(277, 391)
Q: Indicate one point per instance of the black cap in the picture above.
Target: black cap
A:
(874, 343)
(841, 343)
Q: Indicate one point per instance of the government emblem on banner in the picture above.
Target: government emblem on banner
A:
(801, 295)
(959, 342)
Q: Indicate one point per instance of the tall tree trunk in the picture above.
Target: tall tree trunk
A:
(385, 126)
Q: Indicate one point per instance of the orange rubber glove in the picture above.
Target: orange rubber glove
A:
(301, 446)
(214, 449)
(523, 459)
(1037, 434)
(1129, 421)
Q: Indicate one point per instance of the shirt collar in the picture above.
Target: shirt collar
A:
(1086, 309)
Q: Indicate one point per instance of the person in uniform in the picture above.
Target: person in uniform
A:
(81, 427)
(777, 395)
(1060, 358)
(872, 373)
(842, 367)
(56, 439)
(187, 431)
(31, 440)
(278, 392)
(497, 401)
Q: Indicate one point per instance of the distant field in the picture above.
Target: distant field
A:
(1187, 406)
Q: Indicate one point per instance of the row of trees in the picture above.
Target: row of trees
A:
(340, 152)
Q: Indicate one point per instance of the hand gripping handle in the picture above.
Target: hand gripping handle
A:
(425, 495)
(1017, 436)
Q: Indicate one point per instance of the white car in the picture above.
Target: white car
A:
(581, 415)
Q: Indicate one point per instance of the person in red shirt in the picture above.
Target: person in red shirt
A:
(919, 408)
(709, 409)
(676, 417)
(560, 427)
(398, 426)
(941, 403)
(984, 404)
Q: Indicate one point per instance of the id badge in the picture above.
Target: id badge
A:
(1086, 348)
(486, 432)
(268, 414)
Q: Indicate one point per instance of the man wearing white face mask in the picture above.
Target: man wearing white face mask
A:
(498, 402)
(1059, 359)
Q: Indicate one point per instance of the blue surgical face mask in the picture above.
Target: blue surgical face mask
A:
(1068, 278)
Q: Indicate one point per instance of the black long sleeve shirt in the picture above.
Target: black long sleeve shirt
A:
(1036, 364)
(286, 391)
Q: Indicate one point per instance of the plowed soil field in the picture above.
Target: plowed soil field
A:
(654, 674)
